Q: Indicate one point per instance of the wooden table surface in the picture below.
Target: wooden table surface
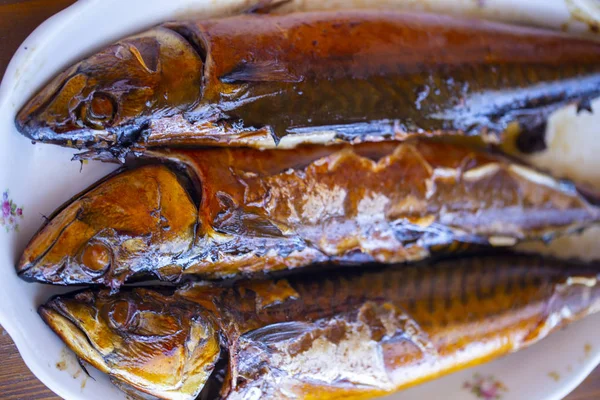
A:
(17, 19)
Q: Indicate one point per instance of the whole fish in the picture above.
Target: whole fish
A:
(350, 335)
(245, 211)
(264, 80)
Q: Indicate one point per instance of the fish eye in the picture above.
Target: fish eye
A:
(122, 315)
(96, 257)
(99, 111)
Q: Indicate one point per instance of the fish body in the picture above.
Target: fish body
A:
(350, 335)
(280, 80)
(249, 212)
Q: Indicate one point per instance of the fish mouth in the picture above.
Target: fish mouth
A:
(33, 266)
(26, 117)
(55, 275)
(117, 141)
(71, 334)
(32, 127)
(32, 273)
(36, 121)
(78, 138)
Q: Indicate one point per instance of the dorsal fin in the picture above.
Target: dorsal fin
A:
(265, 6)
(265, 71)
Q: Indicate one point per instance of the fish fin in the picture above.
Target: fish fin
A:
(265, 6)
(265, 71)
(260, 226)
(104, 155)
(236, 220)
(80, 362)
(280, 332)
(132, 392)
(147, 51)
(584, 104)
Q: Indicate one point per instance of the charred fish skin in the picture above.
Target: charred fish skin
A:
(269, 80)
(357, 335)
(276, 210)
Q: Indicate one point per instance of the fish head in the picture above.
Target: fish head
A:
(154, 342)
(110, 97)
(138, 221)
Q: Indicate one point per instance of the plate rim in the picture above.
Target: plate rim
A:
(39, 37)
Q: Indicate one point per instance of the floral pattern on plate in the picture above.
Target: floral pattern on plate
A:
(11, 214)
(485, 387)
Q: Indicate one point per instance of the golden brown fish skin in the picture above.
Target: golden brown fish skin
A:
(141, 216)
(264, 211)
(354, 75)
(156, 71)
(368, 333)
(412, 196)
(154, 342)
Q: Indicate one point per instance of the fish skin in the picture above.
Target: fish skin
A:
(350, 335)
(171, 346)
(333, 76)
(142, 216)
(288, 209)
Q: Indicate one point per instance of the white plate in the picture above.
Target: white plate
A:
(39, 178)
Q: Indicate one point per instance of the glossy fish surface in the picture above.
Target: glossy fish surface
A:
(352, 335)
(247, 212)
(268, 80)
(142, 337)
